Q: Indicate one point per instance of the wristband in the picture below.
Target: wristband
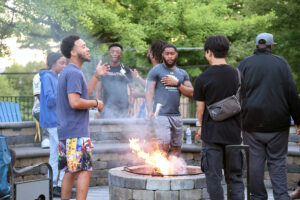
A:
(97, 103)
(178, 84)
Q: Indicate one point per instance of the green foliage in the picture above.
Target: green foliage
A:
(22, 83)
(6, 88)
(137, 23)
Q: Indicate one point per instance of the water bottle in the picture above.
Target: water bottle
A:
(188, 136)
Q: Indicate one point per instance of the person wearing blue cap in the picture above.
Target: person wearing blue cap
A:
(269, 98)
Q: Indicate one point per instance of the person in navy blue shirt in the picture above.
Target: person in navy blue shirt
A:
(73, 116)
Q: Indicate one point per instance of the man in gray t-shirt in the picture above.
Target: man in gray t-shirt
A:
(165, 83)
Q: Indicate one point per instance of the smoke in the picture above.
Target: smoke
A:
(179, 165)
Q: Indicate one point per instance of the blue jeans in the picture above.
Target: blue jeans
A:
(53, 159)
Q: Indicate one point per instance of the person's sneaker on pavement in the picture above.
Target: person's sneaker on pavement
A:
(45, 144)
(57, 192)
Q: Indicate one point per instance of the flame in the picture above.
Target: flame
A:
(157, 158)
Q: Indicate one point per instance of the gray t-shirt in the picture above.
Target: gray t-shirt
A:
(168, 96)
(71, 123)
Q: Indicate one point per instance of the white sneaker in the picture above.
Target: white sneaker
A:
(45, 144)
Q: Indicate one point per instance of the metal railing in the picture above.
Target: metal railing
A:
(187, 106)
(26, 104)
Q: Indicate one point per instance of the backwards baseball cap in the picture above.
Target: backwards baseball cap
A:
(265, 38)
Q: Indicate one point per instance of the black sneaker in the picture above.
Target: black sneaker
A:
(56, 191)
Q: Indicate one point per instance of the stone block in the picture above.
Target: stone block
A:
(20, 163)
(109, 156)
(187, 156)
(115, 180)
(102, 181)
(95, 129)
(289, 160)
(293, 177)
(296, 160)
(158, 184)
(115, 163)
(164, 195)
(100, 173)
(107, 136)
(200, 183)
(135, 183)
(121, 193)
(197, 156)
(190, 162)
(143, 195)
(190, 194)
(34, 177)
(205, 194)
(293, 168)
(93, 181)
(99, 165)
(182, 184)
(111, 129)
(20, 140)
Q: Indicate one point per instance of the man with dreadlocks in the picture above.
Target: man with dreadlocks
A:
(154, 56)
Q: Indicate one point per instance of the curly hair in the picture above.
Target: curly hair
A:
(67, 45)
(115, 45)
(156, 49)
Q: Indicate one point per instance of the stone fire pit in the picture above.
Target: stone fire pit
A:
(126, 185)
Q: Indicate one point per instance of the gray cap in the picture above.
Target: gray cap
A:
(267, 37)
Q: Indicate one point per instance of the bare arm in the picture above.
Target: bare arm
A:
(131, 98)
(185, 88)
(100, 71)
(99, 90)
(150, 87)
(199, 115)
(297, 130)
(76, 102)
(135, 74)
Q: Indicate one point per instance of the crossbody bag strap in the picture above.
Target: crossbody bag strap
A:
(239, 83)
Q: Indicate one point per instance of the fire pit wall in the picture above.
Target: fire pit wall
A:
(126, 185)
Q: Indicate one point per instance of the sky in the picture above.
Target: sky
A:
(20, 56)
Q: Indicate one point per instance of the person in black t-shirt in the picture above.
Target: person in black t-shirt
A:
(113, 88)
(218, 82)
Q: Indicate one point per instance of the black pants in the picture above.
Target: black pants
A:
(213, 161)
(270, 147)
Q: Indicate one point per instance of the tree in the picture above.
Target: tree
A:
(137, 23)
(285, 28)
(22, 83)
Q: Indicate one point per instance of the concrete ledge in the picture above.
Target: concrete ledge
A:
(119, 121)
(33, 152)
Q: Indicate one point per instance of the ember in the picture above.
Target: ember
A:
(158, 160)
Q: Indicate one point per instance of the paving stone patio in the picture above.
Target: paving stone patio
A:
(101, 193)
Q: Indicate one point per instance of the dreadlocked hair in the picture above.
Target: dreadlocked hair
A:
(157, 49)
